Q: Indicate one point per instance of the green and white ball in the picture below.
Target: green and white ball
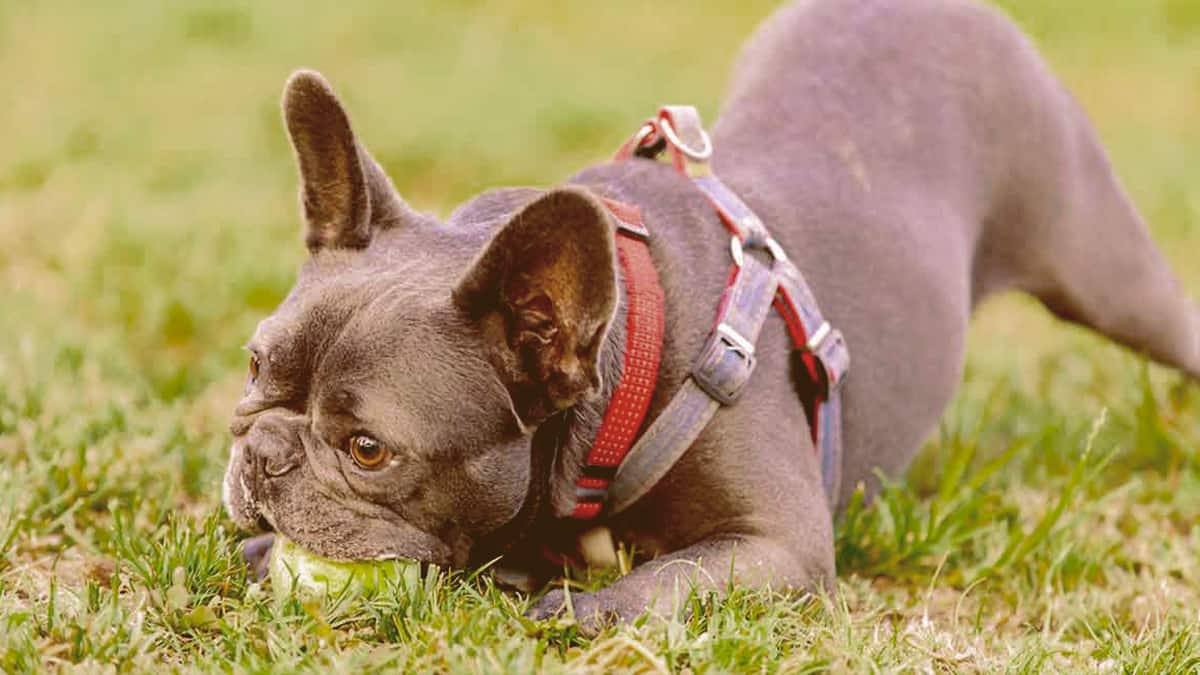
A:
(297, 573)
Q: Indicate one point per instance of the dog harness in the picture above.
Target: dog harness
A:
(617, 472)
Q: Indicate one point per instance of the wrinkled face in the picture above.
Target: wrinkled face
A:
(372, 425)
(390, 399)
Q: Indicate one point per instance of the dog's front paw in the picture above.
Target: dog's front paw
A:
(552, 604)
(593, 612)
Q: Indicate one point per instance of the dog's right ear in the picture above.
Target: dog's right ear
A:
(344, 192)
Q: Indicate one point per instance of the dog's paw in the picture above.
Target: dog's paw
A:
(592, 612)
(549, 606)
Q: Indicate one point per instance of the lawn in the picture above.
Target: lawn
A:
(148, 220)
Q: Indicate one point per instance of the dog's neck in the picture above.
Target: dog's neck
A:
(647, 185)
(559, 448)
(654, 188)
(584, 419)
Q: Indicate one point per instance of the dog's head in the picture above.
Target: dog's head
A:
(391, 398)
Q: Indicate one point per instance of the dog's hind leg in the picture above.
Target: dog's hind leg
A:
(1066, 232)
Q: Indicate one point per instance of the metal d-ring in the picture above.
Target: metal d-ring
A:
(643, 133)
(735, 251)
(637, 142)
(776, 250)
(701, 155)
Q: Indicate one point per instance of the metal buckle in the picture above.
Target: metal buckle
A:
(829, 346)
(737, 249)
(818, 337)
(635, 231)
(736, 339)
(776, 250)
(752, 231)
(725, 365)
(701, 155)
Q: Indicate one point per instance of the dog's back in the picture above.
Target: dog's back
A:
(916, 156)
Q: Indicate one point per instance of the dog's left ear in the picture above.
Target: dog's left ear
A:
(544, 292)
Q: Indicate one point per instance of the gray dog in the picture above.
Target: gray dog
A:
(429, 390)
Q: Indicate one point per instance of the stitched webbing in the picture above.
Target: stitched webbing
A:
(643, 349)
(725, 365)
(748, 301)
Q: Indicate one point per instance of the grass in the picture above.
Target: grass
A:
(148, 220)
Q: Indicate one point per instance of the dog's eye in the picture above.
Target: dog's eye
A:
(253, 367)
(368, 453)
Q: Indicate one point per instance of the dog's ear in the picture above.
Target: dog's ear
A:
(544, 292)
(344, 192)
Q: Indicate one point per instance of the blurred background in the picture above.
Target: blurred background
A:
(148, 211)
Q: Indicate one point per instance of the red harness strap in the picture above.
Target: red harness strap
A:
(643, 350)
(728, 359)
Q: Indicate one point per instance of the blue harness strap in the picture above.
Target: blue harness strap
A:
(723, 369)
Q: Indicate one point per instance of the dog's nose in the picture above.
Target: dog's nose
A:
(276, 451)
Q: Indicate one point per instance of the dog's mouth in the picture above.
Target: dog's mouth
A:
(238, 495)
(263, 525)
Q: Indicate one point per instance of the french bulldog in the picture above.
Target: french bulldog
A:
(429, 389)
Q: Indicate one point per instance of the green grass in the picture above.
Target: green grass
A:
(148, 219)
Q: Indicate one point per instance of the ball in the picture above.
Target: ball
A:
(295, 572)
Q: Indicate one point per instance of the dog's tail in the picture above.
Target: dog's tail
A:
(1067, 233)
